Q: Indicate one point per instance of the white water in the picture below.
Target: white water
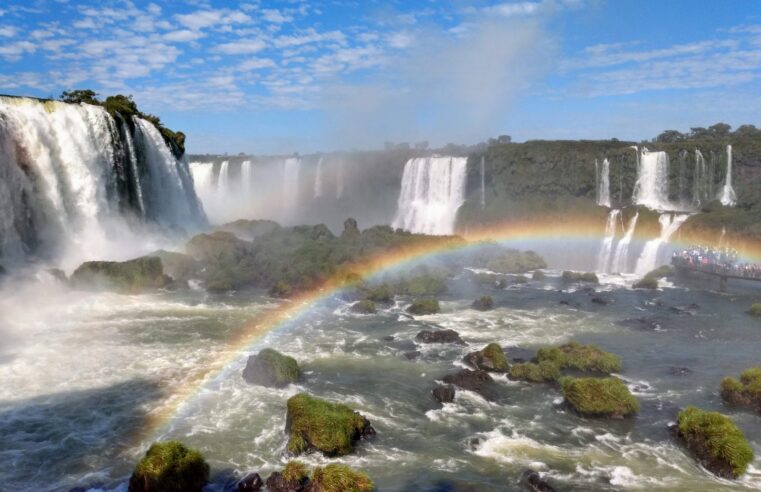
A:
(223, 181)
(603, 185)
(620, 258)
(433, 189)
(648, 259)
(652, 186)
(291, 171)
(727, 196)
(340, 180)
(700, 180)
(246, 176)
(606, 248)
(318, 179)
(483, 183)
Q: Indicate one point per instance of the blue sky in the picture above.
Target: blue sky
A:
(294, 75)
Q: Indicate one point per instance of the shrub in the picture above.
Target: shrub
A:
(515, 261)
(424, 306)
(755, 309)
(716, 441)
(377, 293)
(271, 368)
(423, 285)
(607, 397)
(365, 306)
(746, 391)
(490, 358)
(569, 276)
(660, 272)
(483, 303)
(170, 467)
(646, 283)
(340, 478)
(281, 289)
(295, 471)
(542, 372)
(586, 358)
(538, 275)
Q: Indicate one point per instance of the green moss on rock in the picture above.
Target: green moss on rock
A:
(281, 289)
(340, 478)
(755, 309)
(295, 471)
(585, 358)
(490, 358)
(129, 277)
(422, 285)
(365, 306)
(316, 424)
(515, 261)
(170, 467)
(660, 272)
(483, 303)
(271, 368)
(542, 372)
(594, 397)
(589, 277)
(646, 283)
(746, 392)
(424, 306)
(715, 440)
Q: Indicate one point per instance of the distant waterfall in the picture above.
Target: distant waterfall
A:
(603, 184)
(483, 183)
(648, 259)
(340, 180)
(621, 257)
(246, 176)
(223, 180)
(68, 173)
(727, 196)
(433, 189)
(652, 186)
(291, 172)
(700, 185)
(318, 179)
(606, 248)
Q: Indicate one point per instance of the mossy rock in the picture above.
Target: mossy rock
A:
(281, 289)
(746, 391)
(716, 441)
(128, 277)
(755, 309)
(340, 478)
(595, 397)
(295, 471)
(271, 368)
(423, 285)
(542, 372)
(646, 283)
(588, 277)
(424, 306)
(491, 358)
(515, 261)
(365, 306)
(483, 303)
(585, 358)
(538, 275)
(381, 293)
(660, 272)
(170, 467)
(316, 424)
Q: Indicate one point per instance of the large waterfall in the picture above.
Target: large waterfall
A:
(648, 259)
(727, 196)
(603, 184)
(606, 248)
(291, 172)
(652, 186)
(433, 189)
(71, 174)
(318, 179)
(621, 257)
(701, 183)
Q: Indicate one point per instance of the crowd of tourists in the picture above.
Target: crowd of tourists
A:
(716, 260)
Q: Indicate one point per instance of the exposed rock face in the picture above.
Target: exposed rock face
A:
(439, 336)
(250, 483)
(129, 277)
(491, 358)
(444, 394)
(477, 381)
(271, 368)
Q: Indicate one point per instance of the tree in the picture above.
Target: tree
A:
(504, 139)
(670, 136)
(77, 96)
(720, 130)
(747, 131)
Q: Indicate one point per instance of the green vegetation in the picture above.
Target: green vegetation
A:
(586, 358)
(490, 358)
(128, 277)
(483, 303)
(365, 306)
(538, 275)
(340, 478)
(646, 283)
(295, 471)
(422, 285)
(515, 261)
(281, 289)
(755, 309)
(424, 306)
(271, 368)
(716, 441)
(170, 467)
(594, 397)
(590, 277)
(542, 372)
(745, 392)
(331, 428)
(660, 272)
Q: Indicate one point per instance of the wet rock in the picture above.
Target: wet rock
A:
(271, 368)
(477, 381)
(170, 466)
(128, 277)
(56, 273)
(688, 310)
(679, 371)
(640, 323)
(490, 358)
(601, 300)
(483, 303)
(364, 306)
(250, 483)
(277, 483)
(439, 336)
(534, 482)
(444, 394)
(424, 306)
(412, 355)
(388, 338)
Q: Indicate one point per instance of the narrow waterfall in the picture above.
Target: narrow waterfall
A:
(603, 184)
(648, 259)
(69, 173)
(700, 180)
(606, 248)
(246, 176)
(621, 257)
(318, 179)
(223, 180)
(291, 172)
(340, 180)
(433, 189)
(483, 183)
(727, 196)
(652, 186)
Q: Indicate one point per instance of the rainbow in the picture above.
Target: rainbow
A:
(516, 233)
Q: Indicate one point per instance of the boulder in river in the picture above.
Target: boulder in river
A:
(444, 393)
(317, 424)
(169, 466)
(599, 397)
(586, 358)
(250, 483)
(293, 478)
(533, 372)
(424, 306)
(491, 358)
(745, 392)
(364, 306)
(477, 381)
(534, 482)
(483, 303)
(439, 336)
(339, 478)
(717, 443)
(271, 368)
(128, 277)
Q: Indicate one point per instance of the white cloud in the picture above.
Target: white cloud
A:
(255, 64)
(154, 9)
(241, 47)
(512, 9)
(182, 35)
(310, 36)
(7, 31)
(275, 16)
(208, 18)
(15, 51)
(399, 40)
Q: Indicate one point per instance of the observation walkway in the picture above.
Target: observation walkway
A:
(720, 271)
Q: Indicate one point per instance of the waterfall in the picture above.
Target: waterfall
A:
(603, 184)
(700, 181)
(606, 248)
(483, 183)
(652, 186)
(727, 196)
(648, 259)
(318, 180)
(433, 189)
(291, 171)
(246, 176)
(68, 173)
(621, 257)
(340, 180)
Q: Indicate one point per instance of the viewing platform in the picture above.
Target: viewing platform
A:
(724, 273)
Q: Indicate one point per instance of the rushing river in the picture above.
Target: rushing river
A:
(81, 374)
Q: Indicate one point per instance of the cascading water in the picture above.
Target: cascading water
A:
(433, 189)
(223, 180)
(652, 186)
(648, 259)
(70, 172)
(318, 179)
(700, 180)
(727, 196)
(291, 171)
(340, 180)
(603, 184)
(483, 183)
(621, 257)
(606, 248)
